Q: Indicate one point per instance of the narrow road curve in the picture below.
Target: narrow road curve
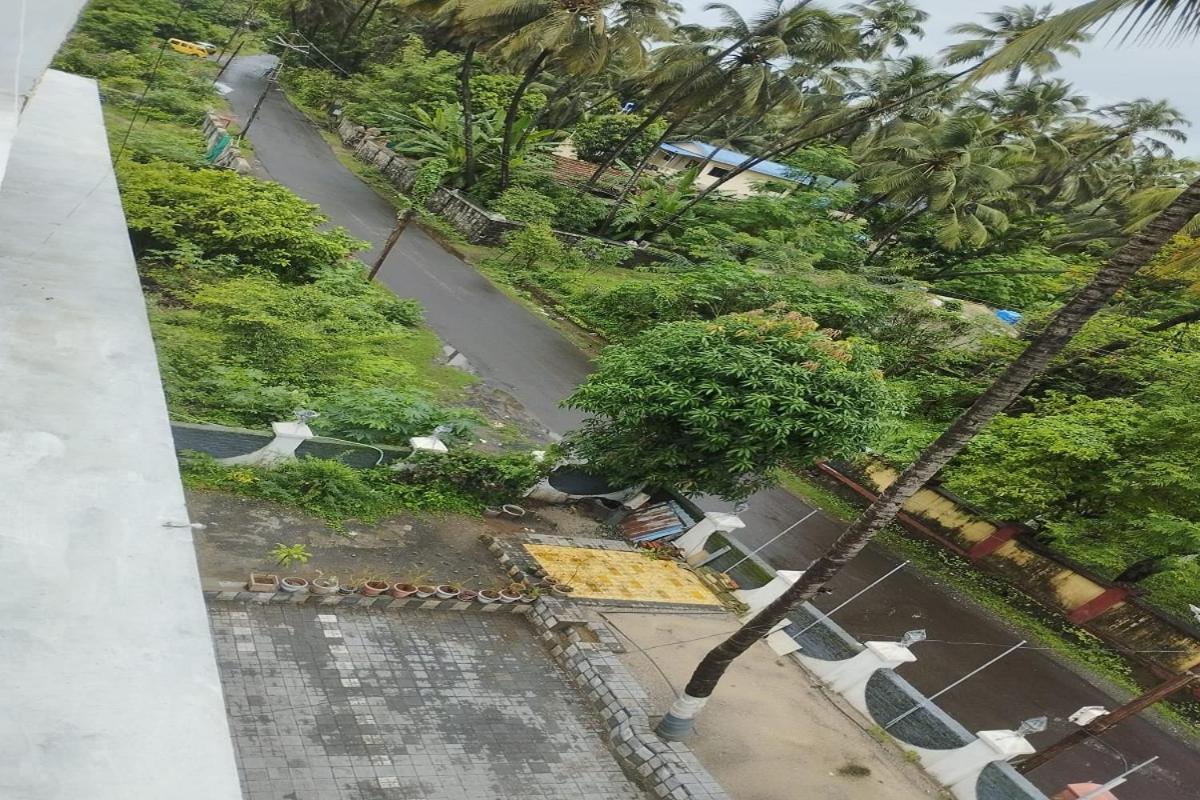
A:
(513, 350)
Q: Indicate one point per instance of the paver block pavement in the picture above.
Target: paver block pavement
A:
(361, 705)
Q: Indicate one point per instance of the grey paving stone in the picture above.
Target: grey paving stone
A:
(366, 704)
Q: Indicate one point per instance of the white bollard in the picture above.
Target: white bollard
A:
(288, 436)
(763, 596)
(959, 769)
(848, 677)
(692, 542)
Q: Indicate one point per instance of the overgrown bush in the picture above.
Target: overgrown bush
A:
(380, 415)
(491, 479)
(524, 205)
(262, 224)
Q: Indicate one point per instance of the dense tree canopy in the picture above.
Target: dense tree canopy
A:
(714, 407)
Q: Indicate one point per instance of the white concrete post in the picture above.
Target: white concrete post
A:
(849, 676)
(428, 444)
(288, 437)
(959, 769)
(692, 542)
(763, 596)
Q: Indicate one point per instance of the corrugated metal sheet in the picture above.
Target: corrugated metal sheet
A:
(654, 521)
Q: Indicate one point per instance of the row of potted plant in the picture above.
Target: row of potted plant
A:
(524, 592)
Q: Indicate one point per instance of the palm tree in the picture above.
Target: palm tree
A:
(574, 33)
(954, 168)
(887, 24)
(751, 42)
(1058, 332)
(1007, 25)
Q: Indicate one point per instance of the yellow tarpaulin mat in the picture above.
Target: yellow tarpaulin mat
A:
(621, 575)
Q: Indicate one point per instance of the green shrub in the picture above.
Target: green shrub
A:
(491, 479)
(597, 137)
(379, 415)
(524, 205)
(262, 224)
(314, 88)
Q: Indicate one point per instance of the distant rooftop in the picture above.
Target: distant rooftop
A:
(772, 169)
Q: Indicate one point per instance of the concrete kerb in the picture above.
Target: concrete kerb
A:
(229, 591)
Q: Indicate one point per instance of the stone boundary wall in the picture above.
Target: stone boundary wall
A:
(215, 128)
(476, 224)
(1109, 610)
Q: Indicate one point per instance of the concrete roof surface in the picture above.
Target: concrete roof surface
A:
(110, 683)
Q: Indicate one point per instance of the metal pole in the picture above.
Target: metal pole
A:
(776, 536)
(1117, 781)
(853, 597)
(1103, 723)
(258, 103)
(970, 674)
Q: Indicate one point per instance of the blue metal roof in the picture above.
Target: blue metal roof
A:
(770, 168)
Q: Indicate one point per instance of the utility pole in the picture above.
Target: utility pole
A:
(238, 28)
(1107, 721)
(272, 79)
(228, 61)
(402, 220)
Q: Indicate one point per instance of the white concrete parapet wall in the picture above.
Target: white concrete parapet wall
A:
(849, 676)
(692, 542)
(288, 437)
(959, 769)
(758, 599)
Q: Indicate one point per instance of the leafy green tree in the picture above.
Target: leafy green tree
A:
(597, 137)
(220, 212)
(1007, 25)
(715, 407)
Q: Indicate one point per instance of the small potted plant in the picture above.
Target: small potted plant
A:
(488, 596)
(425, 590)
(467, 595)
(510, 594)
(531, 594)
(293, 584)
(562, 590)
(263, 582)
(447, 591)
(402, 590)
(373, 588)
(323, 584)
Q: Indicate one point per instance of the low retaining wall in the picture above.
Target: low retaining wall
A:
(220, 441)
(1111, 611)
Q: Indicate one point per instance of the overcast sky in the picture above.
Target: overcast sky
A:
(1107, 72)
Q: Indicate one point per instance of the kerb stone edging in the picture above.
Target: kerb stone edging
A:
(666, 769)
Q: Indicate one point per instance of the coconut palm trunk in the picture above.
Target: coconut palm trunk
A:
(1136, 253)
(350, 25)
(510, 116)
(468, 132)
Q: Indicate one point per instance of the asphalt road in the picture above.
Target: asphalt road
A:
(513, 350)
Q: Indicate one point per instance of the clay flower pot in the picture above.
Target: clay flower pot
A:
(324, 586)
(468, 595)
(562, 590)
(262, 582)
(447, 591)
(528, 597)
(293, 584)
(488, 596)
(373, 588)
(513, 510)
(402, 590)
(509, 596)
(426, 591)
